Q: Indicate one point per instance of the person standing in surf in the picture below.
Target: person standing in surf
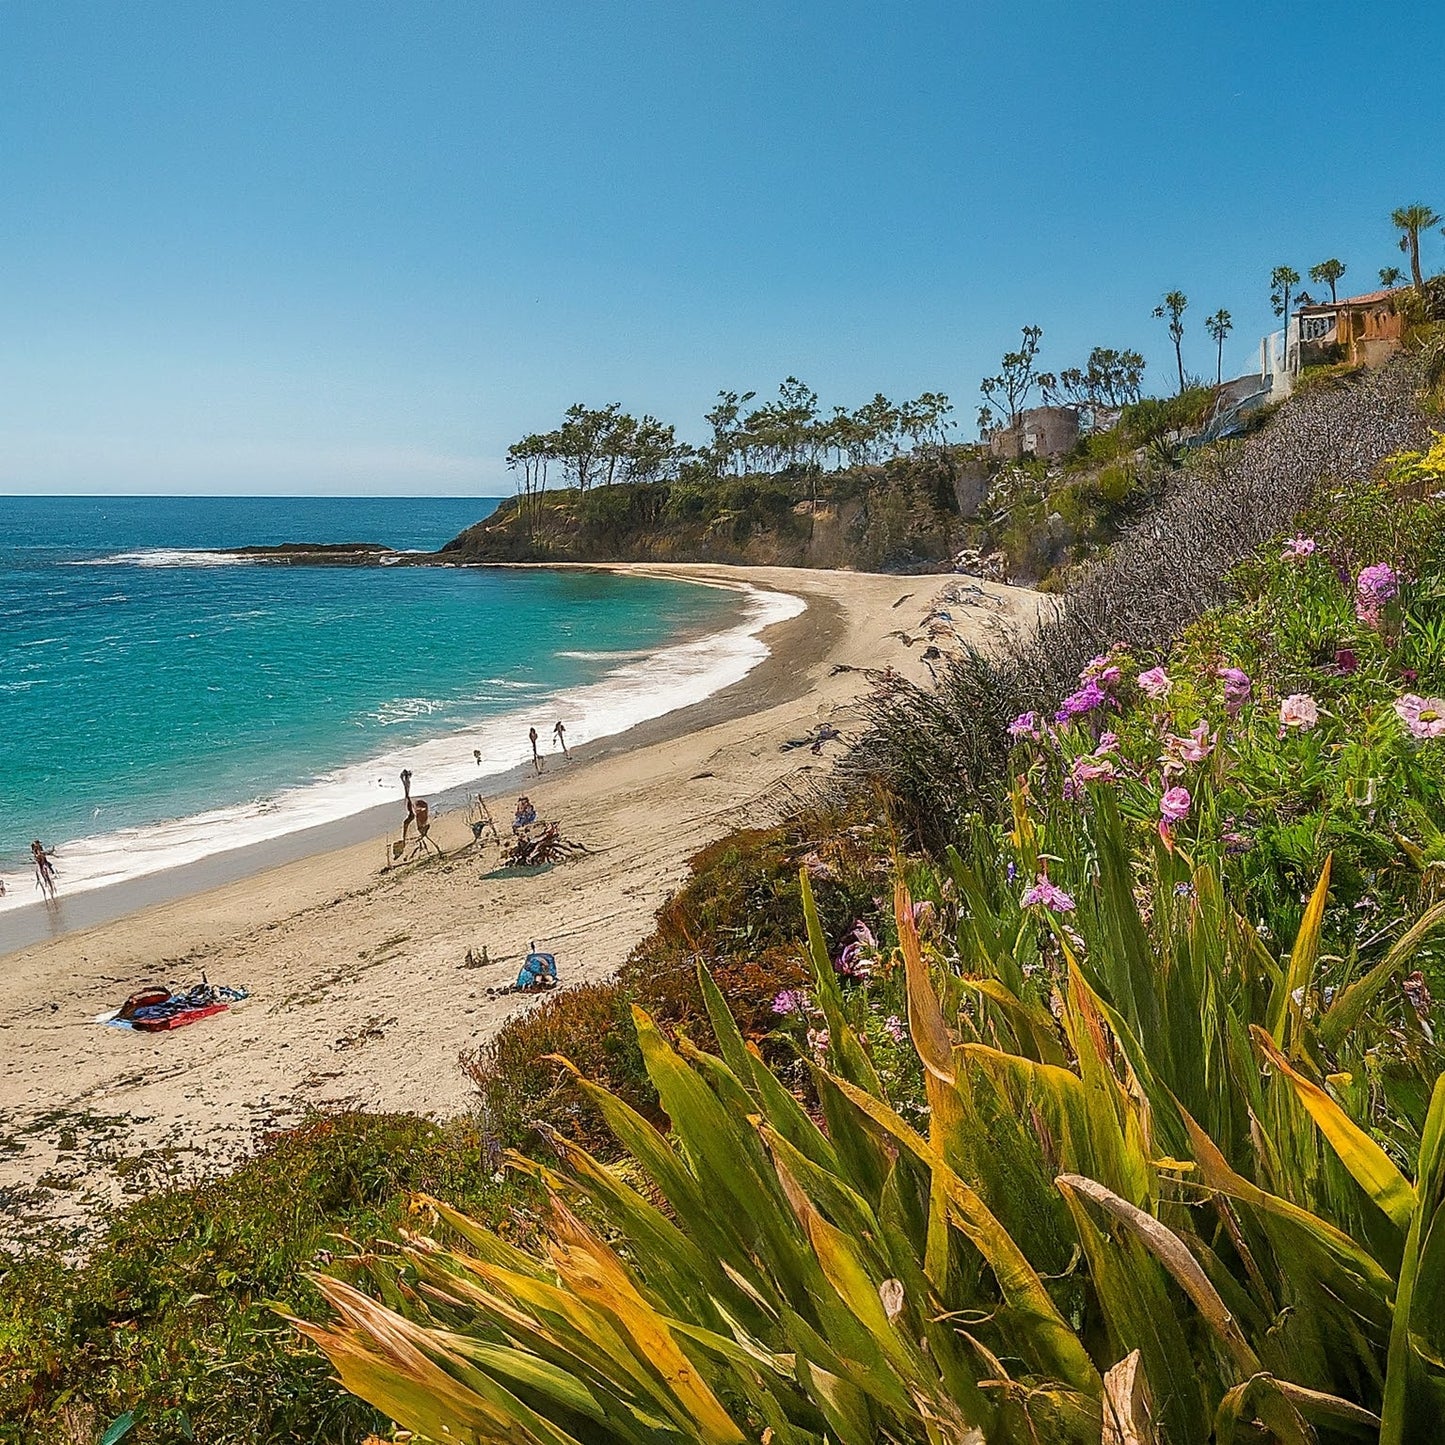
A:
(44, 868)
(559, 739)
(536, 756)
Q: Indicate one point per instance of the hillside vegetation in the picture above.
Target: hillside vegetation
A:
(1103, 1081)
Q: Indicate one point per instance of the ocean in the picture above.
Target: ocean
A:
(160, 702)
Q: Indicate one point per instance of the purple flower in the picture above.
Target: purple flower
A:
(790, 1001)
(1380, 581)
(1047, 895)
(1374, 587)
(1298, 548)
(1025, 725)
(1237, 842)
(1237, 689)
(1089, 697)
(1156, 682)
(1345, 661)
(851, 964)
(1174, 805)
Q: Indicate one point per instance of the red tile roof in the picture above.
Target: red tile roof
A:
(1369, 298)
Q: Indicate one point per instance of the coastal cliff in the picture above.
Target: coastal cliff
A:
(908, 514)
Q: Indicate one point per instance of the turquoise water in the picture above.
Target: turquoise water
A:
(159, 703)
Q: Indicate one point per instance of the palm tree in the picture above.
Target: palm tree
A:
(1410, 221)
(1390, 277)
(1327, 273)
(1281, 280)
(1173, 307)
(1219, 326)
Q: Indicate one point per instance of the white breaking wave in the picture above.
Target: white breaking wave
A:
(647, 686)
(605, 656)
(164, 557)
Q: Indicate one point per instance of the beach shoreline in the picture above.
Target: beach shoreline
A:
(31, 921)
(359, 996)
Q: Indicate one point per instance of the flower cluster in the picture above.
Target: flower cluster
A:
(1298, 548)
(1374, 587)
(791, 1001)
(1156, 683)
(1192, 748)
(1097, 684)
(1048, 895)
(1027, 725)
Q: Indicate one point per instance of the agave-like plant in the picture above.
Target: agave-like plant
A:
(1150, 1205)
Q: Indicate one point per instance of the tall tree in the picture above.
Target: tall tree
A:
(724, 421)
(1390, 277)
(1282, 280)
(1017, 377)
(1410, 221)
(1109, 379)
(1328, 273)
(1219, 326)
(1172, 309)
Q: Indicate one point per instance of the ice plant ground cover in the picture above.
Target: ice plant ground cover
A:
(1159, 1152)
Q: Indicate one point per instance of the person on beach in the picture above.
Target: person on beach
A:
(410, 810)
(536, 756)
(559, 738)
(44, 868)
(538, 972)
(525, 815)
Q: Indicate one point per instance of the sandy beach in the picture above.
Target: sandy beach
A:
(359, 993)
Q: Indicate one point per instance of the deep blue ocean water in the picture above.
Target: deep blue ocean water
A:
(158, 703)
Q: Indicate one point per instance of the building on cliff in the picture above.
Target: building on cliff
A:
(1359, 330)
(1041, 431)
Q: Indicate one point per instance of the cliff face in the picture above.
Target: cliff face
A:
(904, 515)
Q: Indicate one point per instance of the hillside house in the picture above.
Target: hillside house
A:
(1041, 431)
(1360, 330)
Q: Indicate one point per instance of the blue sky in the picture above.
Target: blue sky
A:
(361, 247)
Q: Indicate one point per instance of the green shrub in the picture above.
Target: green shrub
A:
(168, 1314)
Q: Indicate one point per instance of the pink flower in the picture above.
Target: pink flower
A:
(1424, 716)
(1175, 804)
(1155, 682)
(1104, 670)
(1086, 770)
(790, 1001)
(1298, 710)
(818, 1043)
(1298, 548)
(1237, 689)
(1107, 743)
(1192, 749)
(1047, 895)
(894, 1027)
